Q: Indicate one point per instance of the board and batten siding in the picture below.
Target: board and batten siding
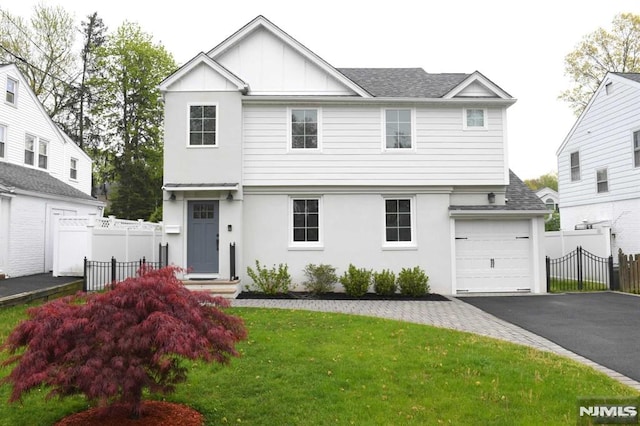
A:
(352, 149)
(604, 139)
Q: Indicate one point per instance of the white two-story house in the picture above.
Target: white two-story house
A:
(270, 148)
(42, 174)
(599, 164)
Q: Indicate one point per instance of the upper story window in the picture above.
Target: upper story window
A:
(29, 149)
(73, 169)
(398, 129)
(602, 180)
(203, 125)
(475, 119)
(304, 128)
(3, 139)
(636, 148)
(398, 220)
(575, 166)
(11, 96)
(43, 154)
(551, 205)
(305, 223)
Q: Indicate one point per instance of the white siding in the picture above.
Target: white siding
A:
(352, 149)
(603, 138)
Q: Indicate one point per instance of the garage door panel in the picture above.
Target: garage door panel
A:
(492, 256)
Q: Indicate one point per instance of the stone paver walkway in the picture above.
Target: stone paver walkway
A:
(454, 314)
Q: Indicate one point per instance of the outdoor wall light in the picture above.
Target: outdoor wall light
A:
(229, 196)
(492, 198)
(172, 197)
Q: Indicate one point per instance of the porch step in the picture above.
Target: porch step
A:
(225, 288)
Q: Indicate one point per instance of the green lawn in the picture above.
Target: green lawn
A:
(560, 285)
(302, 368)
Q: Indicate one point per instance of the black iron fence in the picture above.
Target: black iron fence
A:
(580, 270)
(98, 274)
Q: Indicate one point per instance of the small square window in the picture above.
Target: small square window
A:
(12, 91)
(475, 118)
(575, 166)
(203, 125)
(398, 129)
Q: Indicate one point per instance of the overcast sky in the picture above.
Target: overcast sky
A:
(520, 46)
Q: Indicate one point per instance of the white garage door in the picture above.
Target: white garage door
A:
(493, 256)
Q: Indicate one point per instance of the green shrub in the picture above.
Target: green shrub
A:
(356, 281)
(320, 278)
(413, 282)
(270, 281)
(384, 283)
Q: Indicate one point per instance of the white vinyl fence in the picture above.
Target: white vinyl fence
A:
(100, 239)
(597, 241)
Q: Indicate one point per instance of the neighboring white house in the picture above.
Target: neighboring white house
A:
(270, 147)
(599, 164)
(42, 174)
(549, 197)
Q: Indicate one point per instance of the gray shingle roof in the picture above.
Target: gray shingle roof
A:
(630, 75)
(403, 82)
(519, 196)
(28, 179)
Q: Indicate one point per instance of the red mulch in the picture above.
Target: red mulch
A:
(154, 413)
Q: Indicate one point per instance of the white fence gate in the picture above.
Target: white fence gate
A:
(100, 239)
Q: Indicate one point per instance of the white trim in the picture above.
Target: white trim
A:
(477, 76)
(188, 127)
(383, 115)
(290, 147)
(305, 245)
(201, 58)
(399, 245)
(485, 119)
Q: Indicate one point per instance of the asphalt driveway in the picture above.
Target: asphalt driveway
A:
(603, 327)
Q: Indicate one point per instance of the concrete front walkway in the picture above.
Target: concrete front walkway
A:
(454, 314)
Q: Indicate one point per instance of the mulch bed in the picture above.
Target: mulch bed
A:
(431, 297)
(154, 413)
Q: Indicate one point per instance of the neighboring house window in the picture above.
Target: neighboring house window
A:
(398, 128)
(636, 148)
(12, 91)
(398, 221)
(43, 154)
(575, 166)
(304, 129)
(602, 181)
(475, 118)
(3, 140)
(202, 125)
(73, 168)
(550, 204)
(29, 149)
(306, 220)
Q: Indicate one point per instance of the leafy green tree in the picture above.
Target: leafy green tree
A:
(599, 52)
(548, 180)
(553, 222)
(129, 108)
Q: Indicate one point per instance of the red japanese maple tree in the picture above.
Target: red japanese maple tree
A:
(111, 346)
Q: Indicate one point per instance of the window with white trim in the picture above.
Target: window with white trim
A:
(602, 181)
(304, 127)
(3, 139)
(575, 166)
(636, 148)
(203, 125)
(11, 96)
(305, 223)
(73, 168)
(398, 129)
(398, 221)
(43, 154)
(475, 119)
(29, 149)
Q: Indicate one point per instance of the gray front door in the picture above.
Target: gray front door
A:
(203, 237)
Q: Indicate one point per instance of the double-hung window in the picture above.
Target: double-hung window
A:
(475, 119)
(398, 129)
(203, 125)
(305, 222)
(11, 95)
(29, 149)
(398, 221)
(304, 127)
(636, 148)
(3, 140)
(602, 181)
(73, 169)
(43, 154)
(575, 166)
